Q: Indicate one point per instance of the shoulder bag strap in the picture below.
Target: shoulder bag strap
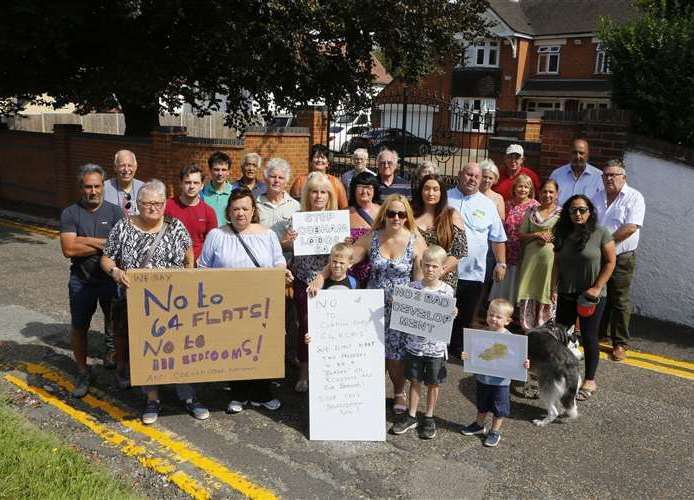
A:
(364, 215)
(245, 247)
(153, 246)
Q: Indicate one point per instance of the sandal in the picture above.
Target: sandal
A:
(585, 394)
(400, 408)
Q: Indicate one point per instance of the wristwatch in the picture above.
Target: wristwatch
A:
(501, 265)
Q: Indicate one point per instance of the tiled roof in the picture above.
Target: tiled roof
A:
(560, 17)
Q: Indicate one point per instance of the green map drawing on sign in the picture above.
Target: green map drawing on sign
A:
(496, 351)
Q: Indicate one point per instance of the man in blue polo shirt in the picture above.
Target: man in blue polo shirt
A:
(216, 193)
(482, 227)
(84, 227)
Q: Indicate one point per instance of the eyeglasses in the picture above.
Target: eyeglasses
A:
(152, 204)
(610, 176)
(391, 214)
(578, 210)
(365, 187)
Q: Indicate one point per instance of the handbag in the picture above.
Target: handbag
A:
(245, 247)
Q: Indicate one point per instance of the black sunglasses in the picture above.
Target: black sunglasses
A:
(391, 214)
(579, 210)
(127, 197)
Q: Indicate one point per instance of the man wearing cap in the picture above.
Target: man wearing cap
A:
(621, 209)
(578, 176)
(513, 167)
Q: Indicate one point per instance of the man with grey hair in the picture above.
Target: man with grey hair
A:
(84, 227)
(360, 159)
(620, 209)
(250, 166)
(122, 189)
(482, 227)
(390, 182)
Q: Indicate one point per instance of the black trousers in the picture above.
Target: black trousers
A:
(251, 390)
(566, 315)
(467, 299)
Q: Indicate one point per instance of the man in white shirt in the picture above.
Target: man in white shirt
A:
(482, 226)
(578, 176)
(620, 209)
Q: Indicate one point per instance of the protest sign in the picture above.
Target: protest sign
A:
(496, 354)
(347, 366)
(319, 231)
(423, 313)
(203, 325)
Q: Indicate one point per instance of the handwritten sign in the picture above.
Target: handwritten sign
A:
(319, 231)
(347, 365)
(204, 325)
(423, 313)
(496, 354)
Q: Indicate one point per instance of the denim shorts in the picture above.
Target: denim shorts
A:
(425, 369)
(493, 398)
(83, 299)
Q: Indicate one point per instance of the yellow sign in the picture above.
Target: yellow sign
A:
(205, 325)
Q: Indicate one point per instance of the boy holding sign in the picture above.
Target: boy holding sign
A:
(493, 396)
(426, 359)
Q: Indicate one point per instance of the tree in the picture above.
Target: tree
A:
(650, 60)
(149, 56)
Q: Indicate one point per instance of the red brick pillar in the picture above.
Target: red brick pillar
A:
(66, 189)
(316, 120)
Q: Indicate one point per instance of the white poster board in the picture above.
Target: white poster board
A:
(319, 231)
(347, 366)
(423, 313)
(496, 354)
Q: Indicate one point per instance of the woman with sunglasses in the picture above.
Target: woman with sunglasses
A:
(394, 249)
(584, 260)
(440, 224)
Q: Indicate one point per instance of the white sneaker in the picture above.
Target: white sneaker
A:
(272, 405)
(236, 406)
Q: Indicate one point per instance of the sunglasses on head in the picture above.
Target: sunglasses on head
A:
(391, 214)
(579, 210)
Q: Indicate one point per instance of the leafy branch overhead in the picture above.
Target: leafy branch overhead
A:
(238, 56)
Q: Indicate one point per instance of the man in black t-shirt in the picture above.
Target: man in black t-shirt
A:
(84, 228)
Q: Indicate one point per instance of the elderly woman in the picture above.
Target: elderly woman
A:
(394, 248)
(250, 165)
(244, 244)
(584, 259)
(490, 176)
(440, 224)
(360, 160)
(147, 240)
(317, 195)
(320, 161)
(427, 167)
(276, 207)
(364, 202)
(523, 199)
(535, 305)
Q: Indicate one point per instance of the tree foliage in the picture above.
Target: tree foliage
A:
(151, 56)
(651, 60)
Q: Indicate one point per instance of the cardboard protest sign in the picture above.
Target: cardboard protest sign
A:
(319, 231)
(347, 366)
(496, 354)
(423, 313)
(204, 325)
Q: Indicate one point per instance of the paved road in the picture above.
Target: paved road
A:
(632, 440)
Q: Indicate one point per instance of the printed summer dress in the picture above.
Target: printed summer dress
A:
(385, 274)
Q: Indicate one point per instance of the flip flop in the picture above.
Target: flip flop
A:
(585, 394)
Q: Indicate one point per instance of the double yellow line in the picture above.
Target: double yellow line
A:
(178, 450)
(30, 228)
(653, 362)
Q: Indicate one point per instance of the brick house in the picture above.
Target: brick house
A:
(543, 55)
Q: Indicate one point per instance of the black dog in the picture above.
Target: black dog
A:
(555, 365)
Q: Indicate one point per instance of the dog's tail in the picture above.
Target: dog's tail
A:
(568, 399)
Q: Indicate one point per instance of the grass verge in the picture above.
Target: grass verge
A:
(34, 464)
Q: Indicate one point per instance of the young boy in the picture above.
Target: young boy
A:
(493, 394)
(426, 359)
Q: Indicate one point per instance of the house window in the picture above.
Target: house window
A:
(548, 60)
(472, 114)
(593, 105)
(482, 55)
(536, 105)
(602, 62)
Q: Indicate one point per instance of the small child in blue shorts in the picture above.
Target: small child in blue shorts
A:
(425, 362)
(493, 396)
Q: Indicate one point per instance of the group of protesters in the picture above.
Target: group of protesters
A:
(545, 247)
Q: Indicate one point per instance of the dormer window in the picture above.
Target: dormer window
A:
(548, 60)
(602, 62)
(482, 54)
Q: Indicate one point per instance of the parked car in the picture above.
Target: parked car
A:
(346, 126)
(406, 144)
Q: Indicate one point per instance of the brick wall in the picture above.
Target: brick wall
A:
(40, 169)
(575, 60)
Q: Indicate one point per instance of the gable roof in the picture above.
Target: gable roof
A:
(559, 17)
